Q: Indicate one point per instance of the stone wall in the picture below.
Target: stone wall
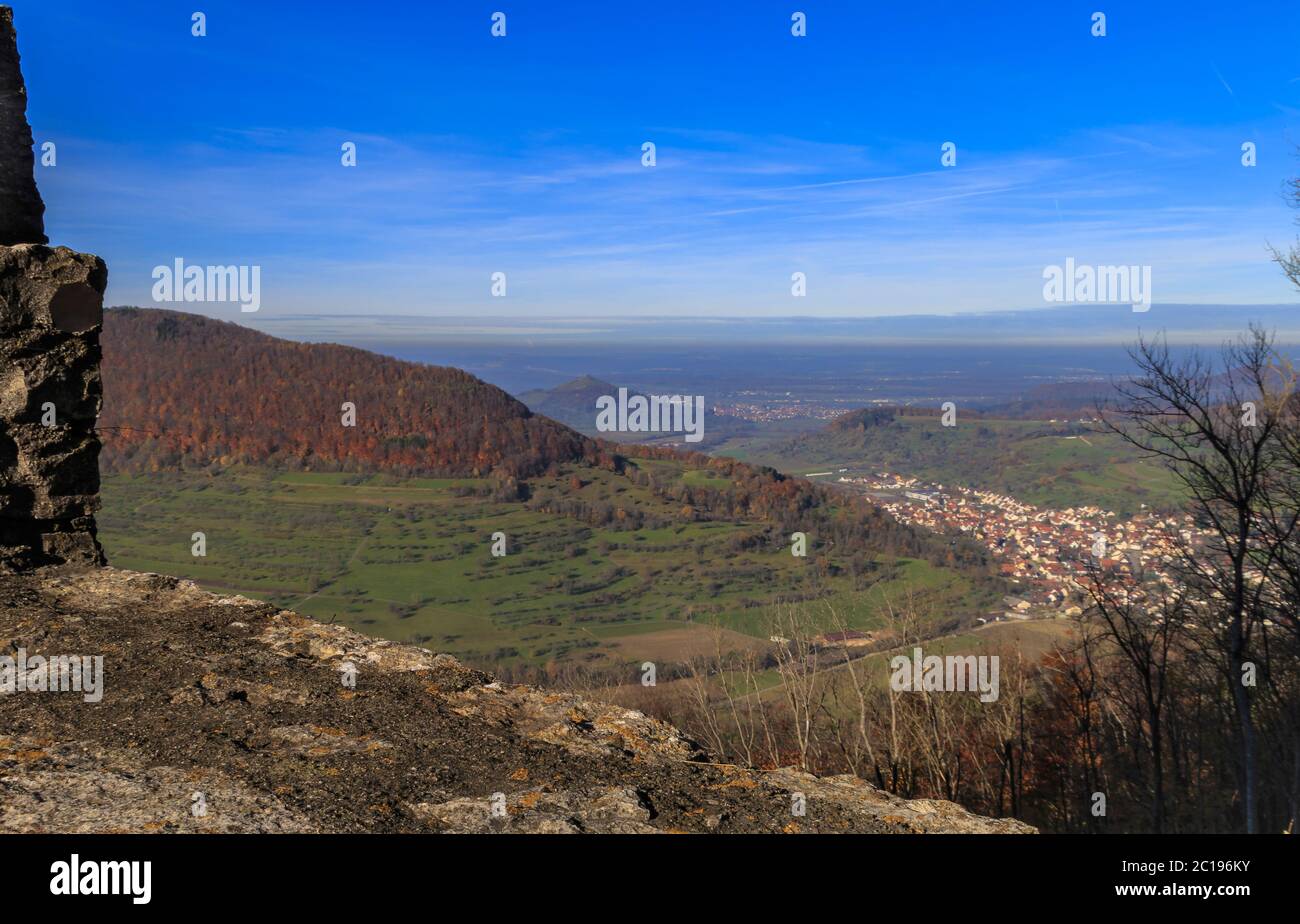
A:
(51, 308)
(51, 303)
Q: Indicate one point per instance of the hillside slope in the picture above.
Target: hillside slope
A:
(185, 388)
(185, 391)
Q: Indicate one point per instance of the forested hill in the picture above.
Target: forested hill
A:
(186, 389)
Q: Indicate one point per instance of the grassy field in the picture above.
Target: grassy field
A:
(1053, 465)
(1032, 639)
(411, 560)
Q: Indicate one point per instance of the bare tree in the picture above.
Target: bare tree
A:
(1145, 625)
(1214, 430)
(799, 668)
(1289, 260)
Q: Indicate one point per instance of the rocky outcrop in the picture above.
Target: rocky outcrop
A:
(51, 309)
(50, 315)
(22, 214)
(225, 714)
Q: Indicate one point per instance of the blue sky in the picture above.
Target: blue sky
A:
(776, 154)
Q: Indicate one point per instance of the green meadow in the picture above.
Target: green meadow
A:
(411, 560)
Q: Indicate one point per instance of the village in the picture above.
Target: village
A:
(1051, 555)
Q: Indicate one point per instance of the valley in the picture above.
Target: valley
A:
(615, 554)
(409, 559)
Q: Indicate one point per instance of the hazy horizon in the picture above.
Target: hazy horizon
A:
(1095, 325)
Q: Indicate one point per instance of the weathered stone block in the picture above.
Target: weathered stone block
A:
(51, 310)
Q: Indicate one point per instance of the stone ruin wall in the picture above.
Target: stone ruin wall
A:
(51, 310)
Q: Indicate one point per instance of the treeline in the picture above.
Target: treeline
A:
(879, 415)
(834, 522)
(184, 390)
(866, 419)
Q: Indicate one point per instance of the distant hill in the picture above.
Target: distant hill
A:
(1082, 399)
(186, 388)
(574, 403)
(1058, 400)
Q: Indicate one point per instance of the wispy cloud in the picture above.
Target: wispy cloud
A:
(718, 225)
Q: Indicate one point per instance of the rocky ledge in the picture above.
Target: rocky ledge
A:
(223, 714)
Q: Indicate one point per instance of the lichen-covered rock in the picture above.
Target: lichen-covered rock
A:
(298, 725)
(72, 788)
(574, 723)
(597, 810)
(914, 816)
